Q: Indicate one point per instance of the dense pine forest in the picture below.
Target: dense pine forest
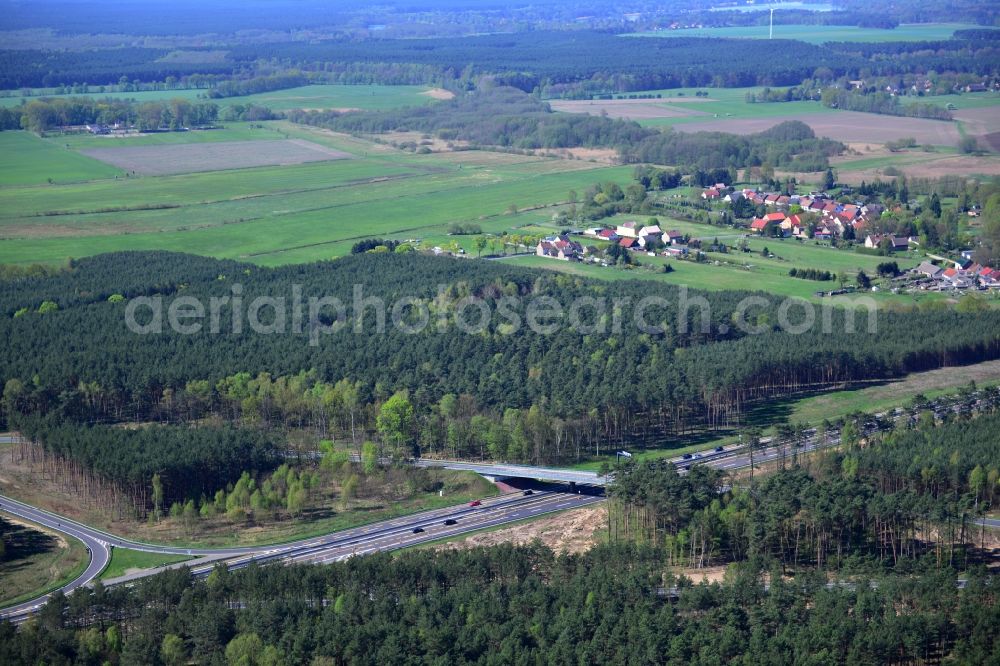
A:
(557, 62)
(907, 494)
(508, 605)
(493, 388)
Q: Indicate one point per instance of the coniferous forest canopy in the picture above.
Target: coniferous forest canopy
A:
(861, 514)
(559, 62)
(511, 393)
(515, 605)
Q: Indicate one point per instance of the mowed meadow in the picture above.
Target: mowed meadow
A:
(269, 214)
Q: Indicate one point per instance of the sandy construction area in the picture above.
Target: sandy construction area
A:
(847, 126)
(167, 159)
(573, 531)
(438, 93)
(631, 109)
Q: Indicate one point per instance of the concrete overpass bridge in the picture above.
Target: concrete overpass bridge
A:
(501, 471)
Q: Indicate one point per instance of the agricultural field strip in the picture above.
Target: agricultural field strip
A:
(312, 96)
(468, 203)
(223, 186)
(271, 205)
(196, 157)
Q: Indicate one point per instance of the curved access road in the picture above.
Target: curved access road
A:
(390, 534)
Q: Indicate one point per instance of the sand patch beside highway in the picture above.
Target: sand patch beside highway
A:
(573, 531)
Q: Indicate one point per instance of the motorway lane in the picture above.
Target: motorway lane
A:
(100, 555)
(438, 530)
(499, 509)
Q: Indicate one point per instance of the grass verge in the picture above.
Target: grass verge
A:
(37, 562)
(124, 559)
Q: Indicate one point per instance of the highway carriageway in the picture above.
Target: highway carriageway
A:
(385, 535)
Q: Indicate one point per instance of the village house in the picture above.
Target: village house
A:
(650, 235)
(628, 230)
(928, 269)
(559, 247)
(989, 277)
(650, 230)
(896, 243)
(790, 224)
(760, 225)
(608, 235)
(673, 237)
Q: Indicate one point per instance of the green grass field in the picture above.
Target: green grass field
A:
(305, 97)
(287, 214)
(26, 159)
(740, 270)
(227, 132)
(976, 100)
(762, 277)
(124, 559)
(818, 34)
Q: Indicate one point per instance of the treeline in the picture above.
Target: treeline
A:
(906, 494)
(47, 113)
(500, 116)
(509, 118)
(886, 59)
(110, 464)
(573, 390)
(771, 95)
(791, 145)
(598, 61)
(557, 63)
(811, 274)
(41, 115)
(511, 605)
(258, 84)
(47, 69)
(881, 102)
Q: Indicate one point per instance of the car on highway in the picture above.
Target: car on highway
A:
(451, 521)
(686, 456)
(528, 492)
(418, 530)
(719, 449)
(475, 503)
